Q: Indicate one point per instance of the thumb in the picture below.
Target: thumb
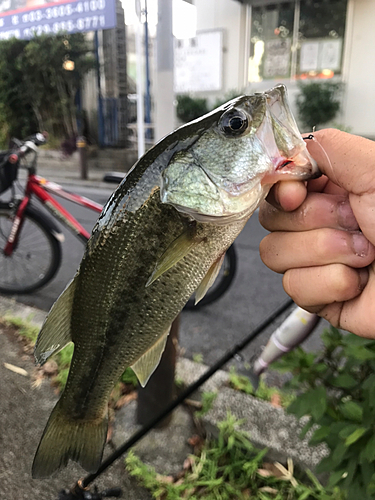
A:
(346, 159)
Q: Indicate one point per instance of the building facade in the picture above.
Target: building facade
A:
(266, 42)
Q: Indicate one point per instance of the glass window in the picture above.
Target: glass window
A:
(320, 38)
(317, 40)
(271, 41)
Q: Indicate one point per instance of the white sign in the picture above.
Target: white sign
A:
(309, 56)
(331, 54)
(321, 54)
(277, 58)
(198, 63)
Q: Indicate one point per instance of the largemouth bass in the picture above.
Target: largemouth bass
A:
(161, 236)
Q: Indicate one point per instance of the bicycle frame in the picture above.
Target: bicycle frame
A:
(41, 188)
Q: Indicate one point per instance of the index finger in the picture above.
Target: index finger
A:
(348, 160)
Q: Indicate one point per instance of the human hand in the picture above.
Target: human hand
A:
(323, 233)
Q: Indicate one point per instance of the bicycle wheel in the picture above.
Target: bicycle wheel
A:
(222, 282)
(36, 256)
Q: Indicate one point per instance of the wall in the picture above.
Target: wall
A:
(230, 16)
(359, 69)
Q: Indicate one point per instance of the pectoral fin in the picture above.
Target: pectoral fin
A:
(147, 363)
(209, 279)
(55, 332)
(176, 251)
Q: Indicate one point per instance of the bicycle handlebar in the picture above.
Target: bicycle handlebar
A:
(30, 143)
(20, 149)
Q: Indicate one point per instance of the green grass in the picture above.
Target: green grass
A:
(24, 327)
(229, 468)
(29, 332)
(243, 384)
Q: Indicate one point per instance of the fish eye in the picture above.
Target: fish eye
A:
(234, 122)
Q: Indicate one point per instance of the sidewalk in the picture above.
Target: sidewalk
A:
(54, 167)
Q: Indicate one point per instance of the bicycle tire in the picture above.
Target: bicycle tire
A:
(36, 257)
(222, 283)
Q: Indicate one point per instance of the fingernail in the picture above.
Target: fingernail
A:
(360, 244)
(363, 278)
(346, 217)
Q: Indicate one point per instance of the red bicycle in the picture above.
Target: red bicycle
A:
(30, 241)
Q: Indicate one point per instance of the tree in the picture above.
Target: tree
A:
(36, 92)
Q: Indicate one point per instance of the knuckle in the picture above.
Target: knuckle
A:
(267, 250)
(343, 282)
(321, 244)
(291, 284)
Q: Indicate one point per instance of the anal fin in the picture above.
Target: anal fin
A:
(55, 332)
(209, 279)
(148, 362)
(176, 251)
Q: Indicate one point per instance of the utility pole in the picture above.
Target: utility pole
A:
(159, 391)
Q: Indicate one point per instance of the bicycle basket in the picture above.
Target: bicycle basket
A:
(8, 173)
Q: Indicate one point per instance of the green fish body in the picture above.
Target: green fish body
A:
(161, 237)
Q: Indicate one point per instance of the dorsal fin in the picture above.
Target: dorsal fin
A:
(55, 332)
(148, 362)
(176, 251)
(209, 279)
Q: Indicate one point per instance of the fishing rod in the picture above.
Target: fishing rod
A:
(80, 492)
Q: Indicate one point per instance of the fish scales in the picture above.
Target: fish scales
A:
(160, 238)
(130, 306)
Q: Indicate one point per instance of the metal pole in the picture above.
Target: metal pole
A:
(147, 55)
(100, 101)
(140, 110)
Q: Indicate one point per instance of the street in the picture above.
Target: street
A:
(210, 331)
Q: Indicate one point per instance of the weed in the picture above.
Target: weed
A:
(243, 384)
(336, 389)
(229, 468)
(208, 399)
(198, 358)
(24, 327)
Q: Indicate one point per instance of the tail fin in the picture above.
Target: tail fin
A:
(64, 439)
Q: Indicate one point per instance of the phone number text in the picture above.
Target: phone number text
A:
(56, 12)
(81, 24)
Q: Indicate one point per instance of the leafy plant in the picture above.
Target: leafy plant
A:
(337, 391)
(243, 384)
(190, 108)
(229, 468)
(318, 103)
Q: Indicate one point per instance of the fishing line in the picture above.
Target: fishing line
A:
(83, 483)
(313, 138)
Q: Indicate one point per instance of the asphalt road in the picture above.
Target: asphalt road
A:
(211, 330)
